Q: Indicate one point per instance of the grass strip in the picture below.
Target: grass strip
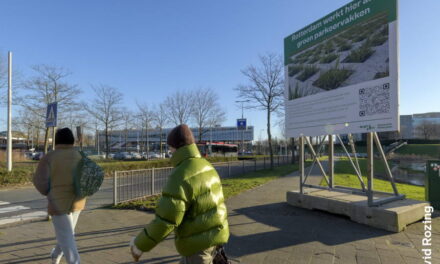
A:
(293, 70)
(359, 55)
(432, 150)
(231, 187)
(332, 78)
(329, 58)
(345, 176)
(22, 172)
(308, 72)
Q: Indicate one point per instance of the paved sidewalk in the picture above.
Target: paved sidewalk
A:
(264, 229)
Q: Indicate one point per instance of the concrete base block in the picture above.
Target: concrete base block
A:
(393, 216)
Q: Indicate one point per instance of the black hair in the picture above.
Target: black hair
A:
(64, 136)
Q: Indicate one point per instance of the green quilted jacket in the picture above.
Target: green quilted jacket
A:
(192, 204)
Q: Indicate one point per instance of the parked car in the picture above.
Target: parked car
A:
(37, 155)
(135, 155)
(122, 156)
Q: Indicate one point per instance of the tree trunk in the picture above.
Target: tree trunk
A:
(126, 147)
(160, 141)
(107, 147)
(28, 138)
(36, 145)
(292, 140)
(200, 134)
(269, 139)
(148, 142)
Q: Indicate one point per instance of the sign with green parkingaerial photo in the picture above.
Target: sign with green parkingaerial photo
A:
(341, 72)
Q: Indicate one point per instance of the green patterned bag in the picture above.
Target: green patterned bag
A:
(88, 177)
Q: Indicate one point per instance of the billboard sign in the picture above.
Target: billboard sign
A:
(51, 115)
(341, 72)
(241, 124)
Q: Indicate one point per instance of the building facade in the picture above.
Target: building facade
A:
(137, 139)
(417, 126)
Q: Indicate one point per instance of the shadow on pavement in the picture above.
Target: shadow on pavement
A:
(281, 225)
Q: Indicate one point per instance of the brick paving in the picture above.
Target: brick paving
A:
(264, 229)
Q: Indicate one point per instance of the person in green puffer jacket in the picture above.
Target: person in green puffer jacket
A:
(192, 205)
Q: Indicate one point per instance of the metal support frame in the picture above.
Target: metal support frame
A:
(387, 167)
(321, 145)
(312, 150)
(353, 151)
(356, 168)
(370, 167)
(372, 139)
(331, 161)
(301, 165)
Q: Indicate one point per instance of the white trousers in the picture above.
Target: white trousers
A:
(64, 226)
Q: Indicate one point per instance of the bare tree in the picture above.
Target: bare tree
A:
(106, 109)
(46, 86)
(160, 120)
(427, 129)
(264, 89)
(206, 111)
(127, 120)
(32, 124)
(3, 72)
(179, 107)
(146, 116)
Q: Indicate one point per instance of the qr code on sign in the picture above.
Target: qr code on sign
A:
(374, 100)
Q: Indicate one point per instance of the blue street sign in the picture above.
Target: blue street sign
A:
(241, 124)
(51, 115)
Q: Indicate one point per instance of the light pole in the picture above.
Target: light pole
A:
(242, 117)
(9, 125)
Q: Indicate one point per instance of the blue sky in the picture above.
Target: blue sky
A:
(149, 49)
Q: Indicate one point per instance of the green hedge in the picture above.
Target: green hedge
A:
(22, 172)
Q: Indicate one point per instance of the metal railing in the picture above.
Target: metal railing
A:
(135, 184)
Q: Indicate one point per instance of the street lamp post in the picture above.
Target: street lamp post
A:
(242, 117)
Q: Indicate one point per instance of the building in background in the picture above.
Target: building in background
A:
(19, 140)
(424, 126)
(136, 139)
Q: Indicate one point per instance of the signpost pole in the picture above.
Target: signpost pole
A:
(370, 167)
(9, 140)
(54, 130)
(51, 121)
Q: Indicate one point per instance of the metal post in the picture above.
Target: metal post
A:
(152, 181)
(353, 150)
(313, 153)
(331, 161)
(356, 169)
(115, 188)
(370, 167)
(301, 164)
(9, 140)
(387, 167)
(54, 129)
